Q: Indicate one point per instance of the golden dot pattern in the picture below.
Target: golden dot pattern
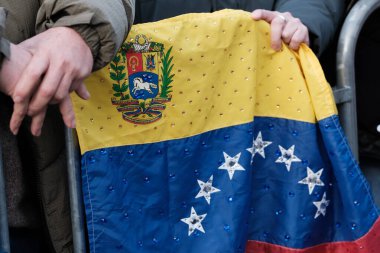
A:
(225, 74)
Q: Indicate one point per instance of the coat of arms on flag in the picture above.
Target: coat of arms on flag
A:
(142, 80)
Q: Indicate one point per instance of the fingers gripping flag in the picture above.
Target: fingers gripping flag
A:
(200, 138)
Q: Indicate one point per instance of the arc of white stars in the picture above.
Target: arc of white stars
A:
(231, 164)
(194, 221)
(312, 179)
(206, 189)
(258, 146)
(287, 157)
(321, 206)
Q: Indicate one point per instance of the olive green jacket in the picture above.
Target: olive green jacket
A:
(104, 26)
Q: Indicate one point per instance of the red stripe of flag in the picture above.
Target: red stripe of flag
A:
(369, 243)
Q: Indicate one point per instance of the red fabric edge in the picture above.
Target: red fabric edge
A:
(369, 243)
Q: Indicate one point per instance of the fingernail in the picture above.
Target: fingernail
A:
(73, 124)
(14, 131)
(275, 47)
(37, 133)
(87, 95)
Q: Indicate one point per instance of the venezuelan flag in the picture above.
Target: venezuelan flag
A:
(200, 138)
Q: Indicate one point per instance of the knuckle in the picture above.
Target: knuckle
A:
(65, 62)
(297, 40)
(277, 22)
(20, 113)
(264, 13)
(66, 65)
(59, 97)
(296, 20)
(32, 110)
(46, 92)
(286, 35)
(34, 73)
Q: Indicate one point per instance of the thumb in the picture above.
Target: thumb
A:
(82, 91)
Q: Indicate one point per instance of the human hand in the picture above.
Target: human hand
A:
(61, 61)
(11, 69)
(283, 27)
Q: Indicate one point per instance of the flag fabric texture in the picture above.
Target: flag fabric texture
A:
(199, 137)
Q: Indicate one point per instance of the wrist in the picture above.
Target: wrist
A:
(90, 37)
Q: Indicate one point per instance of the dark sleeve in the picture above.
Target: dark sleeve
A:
(103, 24)
(4, 44)
(322, 18)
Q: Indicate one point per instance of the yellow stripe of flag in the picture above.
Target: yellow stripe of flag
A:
(220, 71)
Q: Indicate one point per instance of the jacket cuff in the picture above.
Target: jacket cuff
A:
(81, 23)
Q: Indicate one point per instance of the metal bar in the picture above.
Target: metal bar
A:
(342, 95)
(75, 191)
(346, 65)
(4, 232)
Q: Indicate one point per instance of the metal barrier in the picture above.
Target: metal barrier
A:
(4, 233)
(344, 92)
(75, 191)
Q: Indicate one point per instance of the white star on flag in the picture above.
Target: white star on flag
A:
(322, 206)
(287, 157)
(258, 146)
(312, 179)
(194, 221)
(231, 164)
(206, 189)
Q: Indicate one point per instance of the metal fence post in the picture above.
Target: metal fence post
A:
(344, 91)
(75, 191)
(4, 232)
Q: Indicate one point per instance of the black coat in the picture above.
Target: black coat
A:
(322, 17)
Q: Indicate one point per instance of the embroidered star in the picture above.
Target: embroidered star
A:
(287, 157)
(231, 164)
(312, 179)
(206, 189)
(258, 146)
(321, 206)
(194, 221)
